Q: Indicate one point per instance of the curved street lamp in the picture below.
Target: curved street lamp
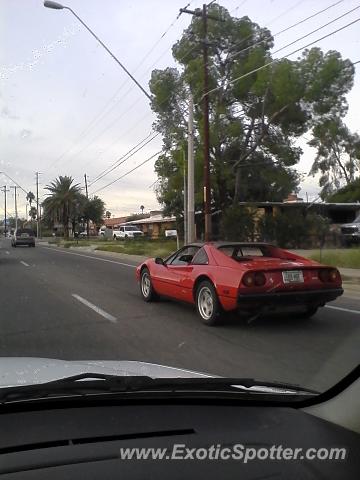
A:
(58, 6)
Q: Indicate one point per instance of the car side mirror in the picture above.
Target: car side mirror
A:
(159, 261)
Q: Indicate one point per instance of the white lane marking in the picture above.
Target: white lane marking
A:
(343, 309)
(7, 253)
(25, 264)
(95, 308)
(90, 256)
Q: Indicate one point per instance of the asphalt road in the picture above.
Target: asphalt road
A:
(72, 305)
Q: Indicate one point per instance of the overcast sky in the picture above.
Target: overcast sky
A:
(66, 107)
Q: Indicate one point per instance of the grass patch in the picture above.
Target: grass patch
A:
(148, 248)
(74, 243)
(346, 258)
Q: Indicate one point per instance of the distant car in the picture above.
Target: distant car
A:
(23, 236)
(83, 234)
(350, 232)
(127, 231)
(251, 278)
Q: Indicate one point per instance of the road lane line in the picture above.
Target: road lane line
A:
(95, 308)
(90, 256)
(342, 309)
(24, 263)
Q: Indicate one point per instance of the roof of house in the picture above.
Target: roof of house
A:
(111, 222)
(152, 219)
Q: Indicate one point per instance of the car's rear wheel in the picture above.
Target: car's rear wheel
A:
(146, 288)
(308, 313)
(207, 303)
(115, 237)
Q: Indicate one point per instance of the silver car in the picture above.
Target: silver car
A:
(23, 236)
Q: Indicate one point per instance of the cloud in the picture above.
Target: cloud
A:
(6, 113)
(25, 133)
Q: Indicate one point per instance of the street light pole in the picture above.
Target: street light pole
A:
(16, 210)
(5, 190)
(58, 6)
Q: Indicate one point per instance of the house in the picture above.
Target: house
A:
(155, 225)
(114, 222)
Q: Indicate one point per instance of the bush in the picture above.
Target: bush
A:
(238, 223)
(294, 229)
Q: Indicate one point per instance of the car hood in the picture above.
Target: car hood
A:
(17, 371)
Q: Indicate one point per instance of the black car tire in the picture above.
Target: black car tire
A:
(309, 312)
(146, 288)
(207, 303)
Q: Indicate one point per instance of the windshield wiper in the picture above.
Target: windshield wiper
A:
(94, 383)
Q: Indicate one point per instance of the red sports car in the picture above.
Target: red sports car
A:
(253, 278)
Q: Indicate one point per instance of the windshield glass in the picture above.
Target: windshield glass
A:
(217, 168)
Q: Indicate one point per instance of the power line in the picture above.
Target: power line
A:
(269, 37)
(127, 173)
(103, 112)
(99, 177)
(301, 21)
(285, 12)
(285, 56)
(16, 183)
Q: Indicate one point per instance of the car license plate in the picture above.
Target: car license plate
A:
(24, 235)
(293, 276)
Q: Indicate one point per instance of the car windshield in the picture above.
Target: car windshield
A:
(26, 231)
(187, 175)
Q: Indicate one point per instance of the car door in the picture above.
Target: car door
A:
(173, 278)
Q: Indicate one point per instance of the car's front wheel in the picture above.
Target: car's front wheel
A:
(146, 288)
(207, 303)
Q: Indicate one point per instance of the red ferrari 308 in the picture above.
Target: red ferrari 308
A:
(252, 278)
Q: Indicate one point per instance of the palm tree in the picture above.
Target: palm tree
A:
(107, 214)
(142, 208)
(62, 201)
(30, 197)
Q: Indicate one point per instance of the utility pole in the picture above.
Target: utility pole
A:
(5, 219)
(16, 211)
(185, 202)
(191, 174)
(37, 205)
(207, 191)
(87, 196)
(207, 187)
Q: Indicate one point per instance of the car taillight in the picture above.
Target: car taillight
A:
(254, 279)
(328, 275)
(260, 279)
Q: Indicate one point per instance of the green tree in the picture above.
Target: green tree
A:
(349, 193)
(94, 210)
(254, 122)
(33, 213)
(238, 224)
(30, 197)
(62, 201)
(107, 214)
(338, 155)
